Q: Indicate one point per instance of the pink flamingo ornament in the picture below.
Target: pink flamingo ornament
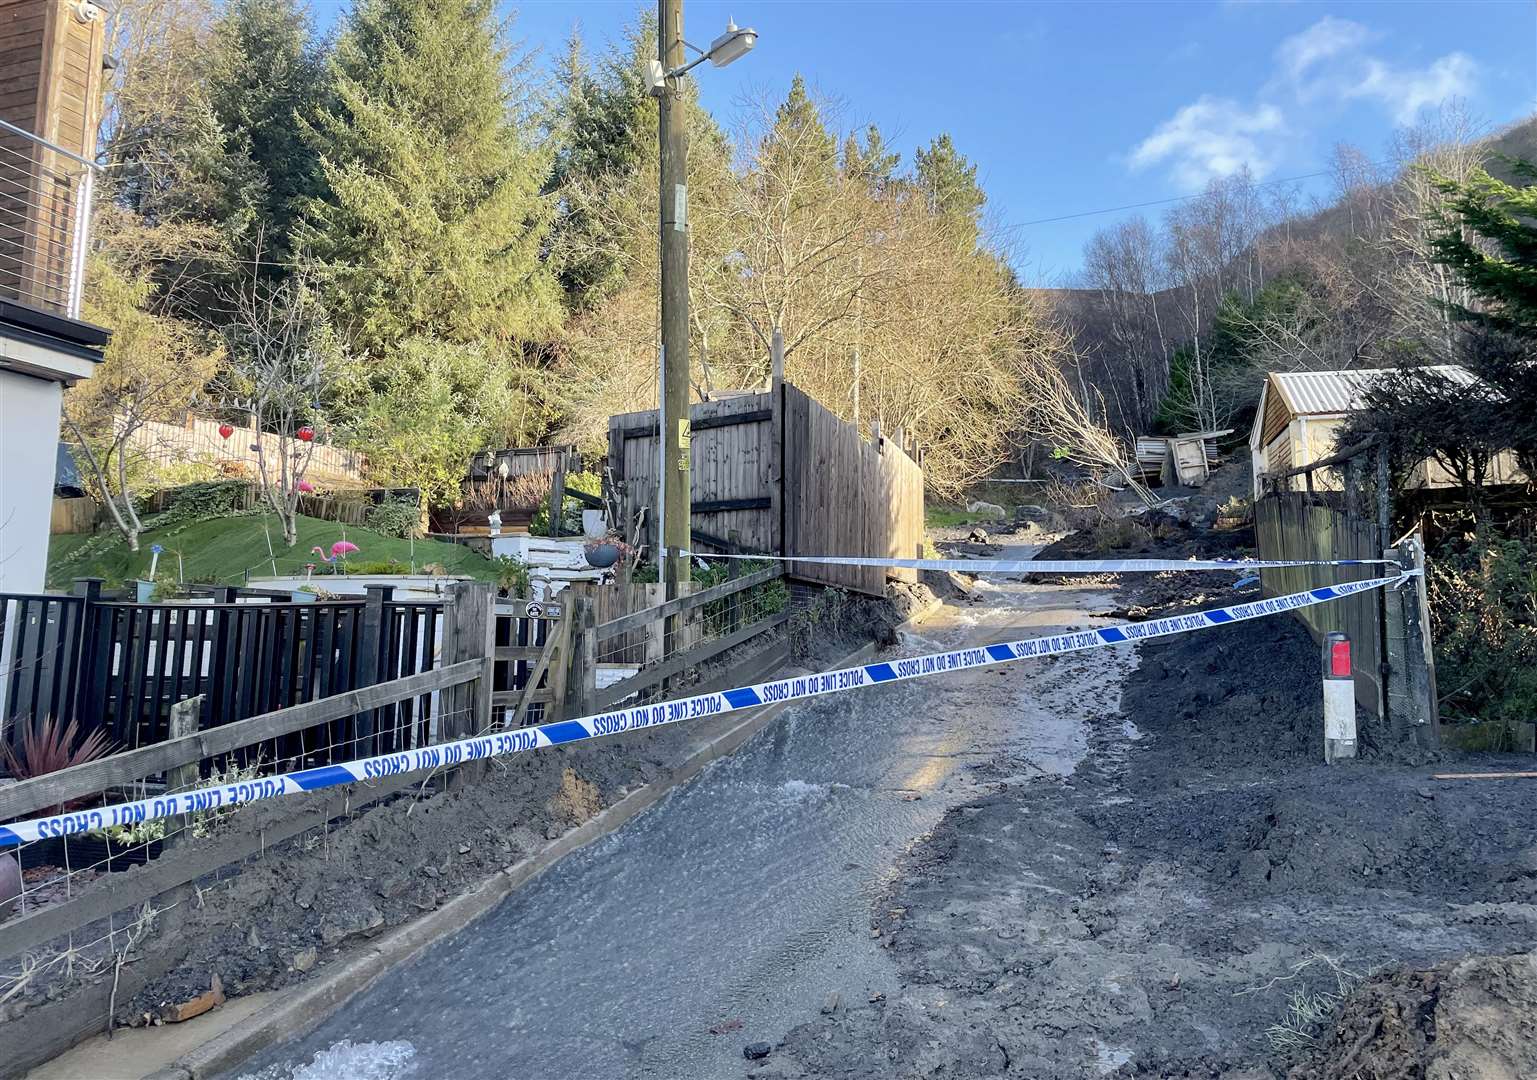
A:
(339, 550)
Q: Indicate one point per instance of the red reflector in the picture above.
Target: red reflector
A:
(1339, 659)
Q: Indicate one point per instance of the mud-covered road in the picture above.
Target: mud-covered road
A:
(1195, 897)
(732, 911)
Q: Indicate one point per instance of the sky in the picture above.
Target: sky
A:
(1073, 108)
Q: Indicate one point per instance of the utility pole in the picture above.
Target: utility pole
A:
(676, 512)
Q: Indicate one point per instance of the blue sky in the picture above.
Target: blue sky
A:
(1074, 107)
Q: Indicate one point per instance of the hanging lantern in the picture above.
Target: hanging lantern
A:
(225, 431)
(306, 433)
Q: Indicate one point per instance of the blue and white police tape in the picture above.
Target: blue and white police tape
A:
(1043, 566)
(642, 717)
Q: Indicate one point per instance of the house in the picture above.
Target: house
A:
(50, 92)
(1300, 414)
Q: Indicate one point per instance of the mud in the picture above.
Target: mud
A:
(278, 918)
(1199, 895)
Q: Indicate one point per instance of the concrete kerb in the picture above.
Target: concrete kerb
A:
(308, 1005)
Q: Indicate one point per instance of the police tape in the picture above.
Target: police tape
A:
(645, 717)
(1043, 566)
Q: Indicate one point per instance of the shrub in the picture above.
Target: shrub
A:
(1483, 605)
(511, 576)
(378, 566)
(394, 517)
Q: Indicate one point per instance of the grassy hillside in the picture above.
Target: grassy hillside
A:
(222, 550)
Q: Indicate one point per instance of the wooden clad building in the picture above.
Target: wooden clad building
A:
(51, 85)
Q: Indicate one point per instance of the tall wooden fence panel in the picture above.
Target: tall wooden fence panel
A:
(778, 473)
(1295, 526)
(731, 464)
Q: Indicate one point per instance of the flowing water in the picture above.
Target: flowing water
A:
(737, 904)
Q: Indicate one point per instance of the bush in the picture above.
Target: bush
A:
(378, 566)
(587, 483)
(511, 576)
(394, 517)
(1483, 606)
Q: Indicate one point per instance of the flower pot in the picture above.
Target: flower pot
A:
(602, 556)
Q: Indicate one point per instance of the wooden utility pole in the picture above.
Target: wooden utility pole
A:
(674, 428)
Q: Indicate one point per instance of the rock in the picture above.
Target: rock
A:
(875, 933)
(977, 506)
(732, 1024)
(552, 833)
(1426, 793)
(304, 896)
(977, 536)
(464, 849)
(253, 939)
(830, 1003)
(304, 959)
(756, 1051)
(351, 920)
(877, 996)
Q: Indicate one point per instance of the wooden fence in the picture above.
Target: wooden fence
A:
(1293, 527)
(160, 445)
(778, 473)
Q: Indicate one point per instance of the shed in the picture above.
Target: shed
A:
(1300, 414)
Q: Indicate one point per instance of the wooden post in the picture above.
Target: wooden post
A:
(1384, 496)
(186, 716)
(558, 497)
(559, 673)
(734, 571)
(469, 633)
(581, 659)
(85, 662)
(371, 667)
(777, 538)
(1411, 675)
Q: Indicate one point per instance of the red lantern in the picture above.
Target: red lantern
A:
(225, 431)
(306, 433)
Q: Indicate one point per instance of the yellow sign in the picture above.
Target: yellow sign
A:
(683, 435)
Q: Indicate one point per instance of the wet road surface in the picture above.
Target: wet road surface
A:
(738, 903)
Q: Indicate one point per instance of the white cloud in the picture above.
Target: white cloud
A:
(1210, 138)
(1329, 62)
(1405, 91)
(1327, 38)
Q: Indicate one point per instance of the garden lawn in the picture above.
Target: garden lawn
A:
(225, 550)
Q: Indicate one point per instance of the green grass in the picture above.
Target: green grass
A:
(945, 517)
(224, 549)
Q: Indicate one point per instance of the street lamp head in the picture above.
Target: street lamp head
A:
(732, 45)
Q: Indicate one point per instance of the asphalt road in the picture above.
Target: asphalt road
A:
(730, 911)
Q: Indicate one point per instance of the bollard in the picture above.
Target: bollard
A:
(1339, 699)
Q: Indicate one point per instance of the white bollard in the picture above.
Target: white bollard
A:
(1339, 699)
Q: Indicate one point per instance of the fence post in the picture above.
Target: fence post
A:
(371, 668)
(734, 571)
(469, 633)
(581, 658)
(1411, 675)
(557, 497)
(83, 669)
(186, 716)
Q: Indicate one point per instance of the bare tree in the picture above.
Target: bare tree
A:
(283, 360)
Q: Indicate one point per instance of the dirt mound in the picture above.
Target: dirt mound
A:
(1474, 1019)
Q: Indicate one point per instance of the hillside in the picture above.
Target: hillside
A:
(223, 550)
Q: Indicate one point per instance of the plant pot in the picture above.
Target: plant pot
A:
(602, 556)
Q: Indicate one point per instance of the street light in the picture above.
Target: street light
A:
(730, 47)
(674, 516)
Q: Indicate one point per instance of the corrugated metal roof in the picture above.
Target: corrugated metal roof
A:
(1318, 393)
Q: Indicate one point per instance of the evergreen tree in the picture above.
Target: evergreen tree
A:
(264, 80)
(949, 183)
(873, 163)
(1501, 270)
(432, 223)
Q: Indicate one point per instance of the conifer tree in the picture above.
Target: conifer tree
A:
(433, 222)
(949, 182)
